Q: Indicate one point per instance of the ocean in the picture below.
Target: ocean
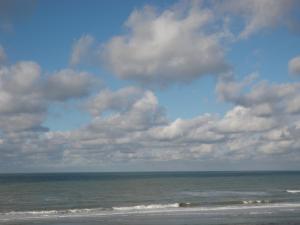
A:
(152, 198)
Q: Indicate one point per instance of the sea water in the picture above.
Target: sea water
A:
(151, 198)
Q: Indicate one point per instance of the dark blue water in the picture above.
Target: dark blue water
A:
(151, 198)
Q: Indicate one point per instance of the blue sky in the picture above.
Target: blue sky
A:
(202, 72)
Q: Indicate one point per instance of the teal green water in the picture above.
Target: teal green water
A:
(151, 198)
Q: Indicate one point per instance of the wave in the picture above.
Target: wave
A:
(293, 191)
(141, 209)
(53, 212)
(144, 207)
(187, 205)
(255, 201)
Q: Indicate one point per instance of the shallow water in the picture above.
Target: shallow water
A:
(151, 198)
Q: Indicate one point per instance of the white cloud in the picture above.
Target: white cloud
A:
(263, 98)
(131, 108)
(67, 84)
(81, 49)
(172, 46)
(199, 130)
(20, 77)
(129, 126)
(293, 104)
(240, 119)
(108, 100)
(277, 134)
(19, 89)
(294, 65)
(181, 43)
(228, 88)
(258, 14)
(25, 95)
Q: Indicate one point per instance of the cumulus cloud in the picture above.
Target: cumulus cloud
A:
(172, 46)
(241, 119)
(131, 108)
(264, 99)
(274, 115)
(294, 65)
(67, 84)
(25, 95)
(228, 88)
(21, 105)
(197, 130)
(258, 14)
(181, 43)
(129, 126)
(120, 100)
(81, 49)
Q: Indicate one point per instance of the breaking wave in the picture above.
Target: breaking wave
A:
(293, 191)
(255, 201)
(142, 209)
(145, 207)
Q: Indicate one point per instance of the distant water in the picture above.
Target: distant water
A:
(157, 198)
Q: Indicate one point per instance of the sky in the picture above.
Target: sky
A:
(142, 85)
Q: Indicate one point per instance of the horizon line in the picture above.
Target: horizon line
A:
(149, 171)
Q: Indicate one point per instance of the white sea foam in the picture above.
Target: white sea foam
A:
(51, 212)
(255, 201)
(293, 191)
(140, 209)
(145, 207)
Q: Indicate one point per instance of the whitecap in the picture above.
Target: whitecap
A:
(139, 209)
(143, 207)
(293, 191)
(255, 201)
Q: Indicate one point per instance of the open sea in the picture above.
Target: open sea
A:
(151, 198)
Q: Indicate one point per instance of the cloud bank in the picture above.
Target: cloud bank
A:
(129, 125)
